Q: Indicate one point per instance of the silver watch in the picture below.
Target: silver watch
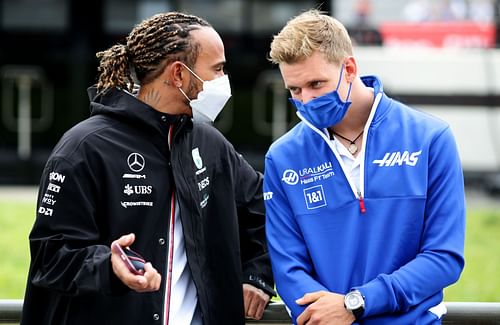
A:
(355, 303)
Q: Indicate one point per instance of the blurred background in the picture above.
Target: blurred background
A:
(438, 56)
(441, 56)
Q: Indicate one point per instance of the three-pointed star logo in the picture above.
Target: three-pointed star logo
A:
(136, 162)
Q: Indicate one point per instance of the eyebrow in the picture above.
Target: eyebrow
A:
(307, 83)
(219, 64)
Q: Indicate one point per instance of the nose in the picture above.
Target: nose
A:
(306, 95)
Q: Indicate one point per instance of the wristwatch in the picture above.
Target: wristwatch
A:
(355, 303)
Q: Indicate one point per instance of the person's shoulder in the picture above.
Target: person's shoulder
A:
(88, 127)
(421, 117)
(205, 128)
(209, 133)
(81, 133)
(290, 139)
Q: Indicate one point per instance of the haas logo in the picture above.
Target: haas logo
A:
(290, 177)
(398, 158)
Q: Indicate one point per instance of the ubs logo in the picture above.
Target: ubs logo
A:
(136, 162)
(290, 177)
(137, 189)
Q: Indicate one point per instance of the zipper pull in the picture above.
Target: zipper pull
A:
(170, 136)
(361, 203)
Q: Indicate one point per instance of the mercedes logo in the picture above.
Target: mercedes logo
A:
(136, 162)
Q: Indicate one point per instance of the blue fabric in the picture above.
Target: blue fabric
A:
(403, 250)
(326, 110)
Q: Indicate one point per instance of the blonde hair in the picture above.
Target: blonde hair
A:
(311, 31)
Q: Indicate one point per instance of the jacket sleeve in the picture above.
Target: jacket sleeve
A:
(254, 256)
(440, 260)
(66, 254)
(251, 219)
(292, 266)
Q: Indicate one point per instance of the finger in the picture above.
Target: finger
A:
(152, 276)
(137, 283)
(126, 240)
(140, 285)
(246, 297)
(158, 282)
(259, 303)
(248, 304)
(148, 268)
(310, 298)
(123, 241)
(260, 309)
(304, 317)
(265, 297)
(253, 306)
(119, 268)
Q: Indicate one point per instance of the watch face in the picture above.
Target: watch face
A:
(353, 300)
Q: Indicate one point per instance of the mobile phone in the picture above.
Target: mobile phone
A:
(133, 260)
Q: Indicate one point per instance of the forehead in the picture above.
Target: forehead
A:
(211, 46)
(312, 68)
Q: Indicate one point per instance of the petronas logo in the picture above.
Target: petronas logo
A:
(197, 158)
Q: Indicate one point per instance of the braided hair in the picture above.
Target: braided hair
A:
(151, 45)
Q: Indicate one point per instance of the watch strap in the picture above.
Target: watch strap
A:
(358, 312)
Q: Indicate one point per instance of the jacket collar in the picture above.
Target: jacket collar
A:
(122, 104)
(383, 106)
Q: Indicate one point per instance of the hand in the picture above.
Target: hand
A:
(255, 301)
(149, 281)
(324, 308)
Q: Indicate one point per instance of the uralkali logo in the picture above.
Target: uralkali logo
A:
(309, 174)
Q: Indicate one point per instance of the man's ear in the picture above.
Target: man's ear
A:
(351, 68)
(175, 74)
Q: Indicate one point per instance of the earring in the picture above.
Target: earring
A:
(166, 82)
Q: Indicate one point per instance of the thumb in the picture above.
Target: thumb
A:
(309, 298)
(126, 240)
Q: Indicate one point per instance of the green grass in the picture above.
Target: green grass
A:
(16, 219)
(480, 280)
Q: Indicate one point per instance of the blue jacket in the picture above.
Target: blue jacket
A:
(399, 239)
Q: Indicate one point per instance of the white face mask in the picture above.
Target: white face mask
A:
(211, 99)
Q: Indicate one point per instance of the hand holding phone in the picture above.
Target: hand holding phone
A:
(133, 260)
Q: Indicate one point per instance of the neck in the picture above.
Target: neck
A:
(164, 99)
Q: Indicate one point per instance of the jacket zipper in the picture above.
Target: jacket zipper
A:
(357, 193)
(170, 258)
(361, 203)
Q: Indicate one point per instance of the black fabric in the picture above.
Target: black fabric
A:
(91, 193)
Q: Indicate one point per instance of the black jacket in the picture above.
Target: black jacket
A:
(113, 174)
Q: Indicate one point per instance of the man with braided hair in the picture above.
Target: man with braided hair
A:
(145, 171)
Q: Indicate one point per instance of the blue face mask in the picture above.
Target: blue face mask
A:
(326, 110)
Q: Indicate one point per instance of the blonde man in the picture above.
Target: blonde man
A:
(366, 223)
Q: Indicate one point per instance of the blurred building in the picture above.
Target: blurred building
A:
(47, 60)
